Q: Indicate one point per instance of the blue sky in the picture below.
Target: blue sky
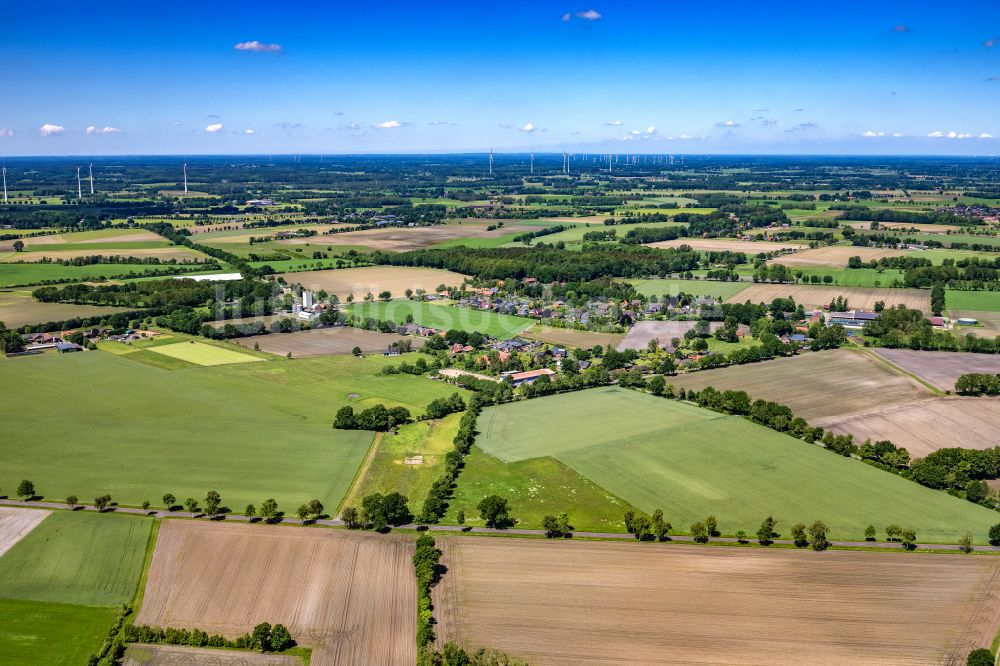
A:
(659, 76)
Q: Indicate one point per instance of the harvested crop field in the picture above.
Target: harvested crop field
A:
(923, 228)
(941, 369)
(143, 654)
(570, 338)
(17, 308)
(835, 256)
(814, 385)
(925, 426)
(858, 298)
(674, 604)
(374, 279)
(16, 523)
(162, 253)
(349, 596)
(720, 244)
(322, 341)
(404, 239)
(638, 336)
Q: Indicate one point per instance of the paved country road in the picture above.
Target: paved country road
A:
(335, 522)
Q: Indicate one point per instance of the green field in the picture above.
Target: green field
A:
(855, 277)
(33, 633)
(248, 430)
(657, 453)
(443, 317)
(670, 287)
(388, 471)
(978, 301)
(13, 275)
(80, 558)
(200, 353)
(535, 487)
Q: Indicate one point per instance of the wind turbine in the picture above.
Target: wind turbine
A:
(5, 184)
(491, 162)
(92, 178)
(185, 178)
(532, 167)
(79, 187)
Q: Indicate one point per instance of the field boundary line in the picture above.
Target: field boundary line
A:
(140, 592)
(362, 472)
(899, 370)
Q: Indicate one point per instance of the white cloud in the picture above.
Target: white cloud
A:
(650, 130)
(589, 15)
(936, 134)
(214, 127)
(48, 129)
(6, 133)
(767, 122)
(102, 130)
(528, 127)
(685, 136)
(388, 124)
(897, 134)
(614, 123)
(566, 17)
(727, 123)
(249, 131)
(870, 134)
(349, 126)
(258, 47)
(984, 135)
(964, 136)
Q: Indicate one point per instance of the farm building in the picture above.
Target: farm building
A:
(851, 318)
(522, 378)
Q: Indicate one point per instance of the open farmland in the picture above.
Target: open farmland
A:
(33, 633)
(722, 245)
(693, 462)
(409, 461)
(374, 279)
(96, 238)
(200, 353)
(349, 596)
(925, 228)
(925, 426)
(858, 298)
(248, 430)
(640, 335)
(664, 604)
(17, 308)
(77, 558)
(975, 301)
(162, 253)
(568, 337)
(322, 341)
(142, 654)
(814, 385)
(941, 369)
(16, 523)
(668, 287)
(443, 317)
(835, 256)
(14, 275)
(404, 239)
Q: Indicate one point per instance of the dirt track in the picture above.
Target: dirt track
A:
(350, 596)
(603, 603)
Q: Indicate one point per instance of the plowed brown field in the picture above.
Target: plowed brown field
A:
(858, 298)
(349, 596)
(605, 603)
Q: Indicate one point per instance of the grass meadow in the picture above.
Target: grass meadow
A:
(94, 422)
(657, 453)
(443, 317)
